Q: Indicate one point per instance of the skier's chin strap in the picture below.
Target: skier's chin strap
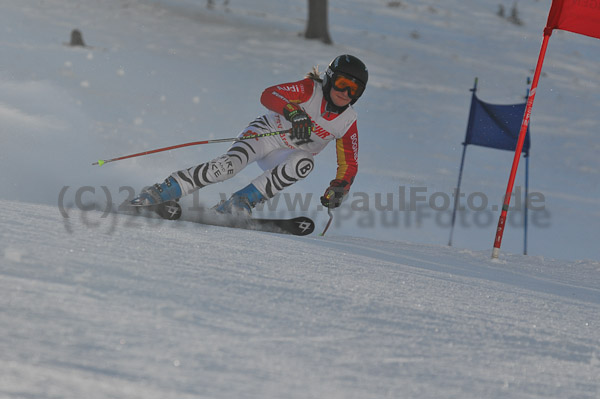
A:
(330, 107)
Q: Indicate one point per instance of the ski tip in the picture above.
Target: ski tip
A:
(304, 226)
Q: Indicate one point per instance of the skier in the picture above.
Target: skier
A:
(315, 111)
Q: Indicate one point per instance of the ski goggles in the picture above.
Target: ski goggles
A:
(350, 85)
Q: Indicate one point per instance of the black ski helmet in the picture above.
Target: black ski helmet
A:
(347, 65)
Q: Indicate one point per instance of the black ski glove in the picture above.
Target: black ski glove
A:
(335, 193)
(301, 124)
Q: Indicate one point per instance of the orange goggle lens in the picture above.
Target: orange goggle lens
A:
(344, 83)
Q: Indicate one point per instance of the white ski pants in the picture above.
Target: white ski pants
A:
(283, 166)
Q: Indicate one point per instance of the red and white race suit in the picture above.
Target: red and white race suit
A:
(284, 161)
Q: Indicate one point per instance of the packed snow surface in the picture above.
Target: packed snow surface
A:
(100, 306)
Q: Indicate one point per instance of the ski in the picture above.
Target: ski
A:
(299, 226)
(170, 210)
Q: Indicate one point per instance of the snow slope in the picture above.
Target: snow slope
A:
(138, 308)
(164, 72)
(99, 305)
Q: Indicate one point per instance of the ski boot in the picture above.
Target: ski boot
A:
(157, 194)
(241, 202)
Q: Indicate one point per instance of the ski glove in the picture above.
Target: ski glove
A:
(301, 124)
(335, 193)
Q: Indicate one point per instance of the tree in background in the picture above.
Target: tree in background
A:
(317, 26)
(211, 4)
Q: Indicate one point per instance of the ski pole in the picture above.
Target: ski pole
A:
(330, 213)
(139, 154)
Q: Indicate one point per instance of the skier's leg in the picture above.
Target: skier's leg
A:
(282, 169)
(219, 169)
(226, 166)
(290, 166)
(237, 157)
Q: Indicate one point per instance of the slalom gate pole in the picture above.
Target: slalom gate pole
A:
(521, 140)
(456, 197)
(462, 163)
(526, 208)
(139, 154)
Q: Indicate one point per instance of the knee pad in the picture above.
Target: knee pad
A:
(296, 167)
(215, 171)
(220, 169)
(302, 162)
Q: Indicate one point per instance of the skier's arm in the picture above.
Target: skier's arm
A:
(347, 157)
(275, 98)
